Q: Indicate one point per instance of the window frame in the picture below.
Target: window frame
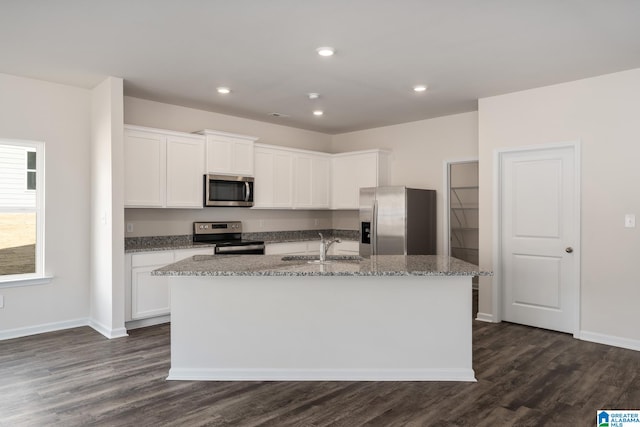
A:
(38, 277)
(28, 170)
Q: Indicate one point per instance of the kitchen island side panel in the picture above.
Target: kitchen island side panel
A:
(321, 328)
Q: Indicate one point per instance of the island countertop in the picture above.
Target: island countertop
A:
(274, 265)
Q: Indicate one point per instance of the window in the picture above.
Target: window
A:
(21, 210)
(31, 169)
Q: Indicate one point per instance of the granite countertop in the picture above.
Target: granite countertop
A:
(273, 265)
(168, 243)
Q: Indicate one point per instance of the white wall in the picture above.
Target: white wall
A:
(602, 113)
(419, 150)
(173, 222)
(173, 117)
(107, 210)
(59, 115)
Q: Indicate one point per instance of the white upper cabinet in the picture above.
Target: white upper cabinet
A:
(185, 161)
(162, 168)
(312, 180)
(229, 153)
(145, 156)
(273, 187)
(355, 170)
(287, 178)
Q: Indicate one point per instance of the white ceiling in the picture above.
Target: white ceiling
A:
(179, 51)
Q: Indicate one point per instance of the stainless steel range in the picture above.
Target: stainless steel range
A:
(227, 236)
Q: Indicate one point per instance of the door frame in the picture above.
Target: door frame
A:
(497, 282)
(447, 200)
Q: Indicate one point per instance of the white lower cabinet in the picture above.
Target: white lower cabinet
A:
(149, 295)
(291, 248)
(312, 247)
(346, 247)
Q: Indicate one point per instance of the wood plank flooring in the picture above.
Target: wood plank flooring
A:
(526, 377)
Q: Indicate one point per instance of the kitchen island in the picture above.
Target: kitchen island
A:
(259, 317)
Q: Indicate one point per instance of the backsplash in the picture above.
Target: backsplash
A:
(185, 240)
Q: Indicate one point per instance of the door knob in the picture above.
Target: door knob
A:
(569, 250)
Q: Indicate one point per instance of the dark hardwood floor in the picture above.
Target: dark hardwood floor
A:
(526, 377)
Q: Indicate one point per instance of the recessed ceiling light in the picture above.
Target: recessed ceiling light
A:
(313, 95)
(223, 90)
(420, 88)
(325, 51)
(318, 113)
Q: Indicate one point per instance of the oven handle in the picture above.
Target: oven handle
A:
(247, 191)
(237, 249)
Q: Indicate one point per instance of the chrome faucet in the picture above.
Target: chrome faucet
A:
(324, 247)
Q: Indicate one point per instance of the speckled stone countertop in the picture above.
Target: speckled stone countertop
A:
(273, 265)
(168, 243)
(160, 243)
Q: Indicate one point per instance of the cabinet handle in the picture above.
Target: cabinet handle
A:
(247, 191)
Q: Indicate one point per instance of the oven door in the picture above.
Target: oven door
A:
(223, 190)
(256, 249)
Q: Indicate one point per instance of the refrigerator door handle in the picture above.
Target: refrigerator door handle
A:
(374, 229)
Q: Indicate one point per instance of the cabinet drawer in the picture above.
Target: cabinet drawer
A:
(155, 258)
(181, 254)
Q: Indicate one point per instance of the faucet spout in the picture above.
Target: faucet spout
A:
(324, 247)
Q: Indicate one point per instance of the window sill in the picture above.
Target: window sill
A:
(17, 282)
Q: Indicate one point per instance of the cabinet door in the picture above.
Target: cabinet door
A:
(185, 170)
(144, 169)
(273, 178)
(366, 168)
(242, 160)
(290, 248)
(149, 294)
(302, 181)
(344, 184)
(347, 247)
(181, 254)
(218, 154)
(229, 155)
(320, 181)
(264, 178)
(311, 181)
(282, 179)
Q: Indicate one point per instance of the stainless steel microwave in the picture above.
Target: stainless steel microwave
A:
(226, 190)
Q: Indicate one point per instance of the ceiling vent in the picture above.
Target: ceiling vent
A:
(278, 115)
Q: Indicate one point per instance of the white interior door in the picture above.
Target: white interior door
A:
(540, 237)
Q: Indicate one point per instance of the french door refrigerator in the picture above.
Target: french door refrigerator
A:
(396, 220)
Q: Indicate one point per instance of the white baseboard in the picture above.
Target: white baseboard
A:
(189, 374)
(485, 317)
(41, 329)
(106, 331)
(152, 321)
(611, 340)
(59, 326)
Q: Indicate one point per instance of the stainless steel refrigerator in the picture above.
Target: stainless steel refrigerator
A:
(397, 220)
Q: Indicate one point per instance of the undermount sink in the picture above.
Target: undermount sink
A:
(315, 259)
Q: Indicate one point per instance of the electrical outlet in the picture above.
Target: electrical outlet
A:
(316, 221)
(630, 221)
(129, 227)
(1, 301)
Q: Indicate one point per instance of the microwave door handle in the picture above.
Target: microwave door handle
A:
(247, 191)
